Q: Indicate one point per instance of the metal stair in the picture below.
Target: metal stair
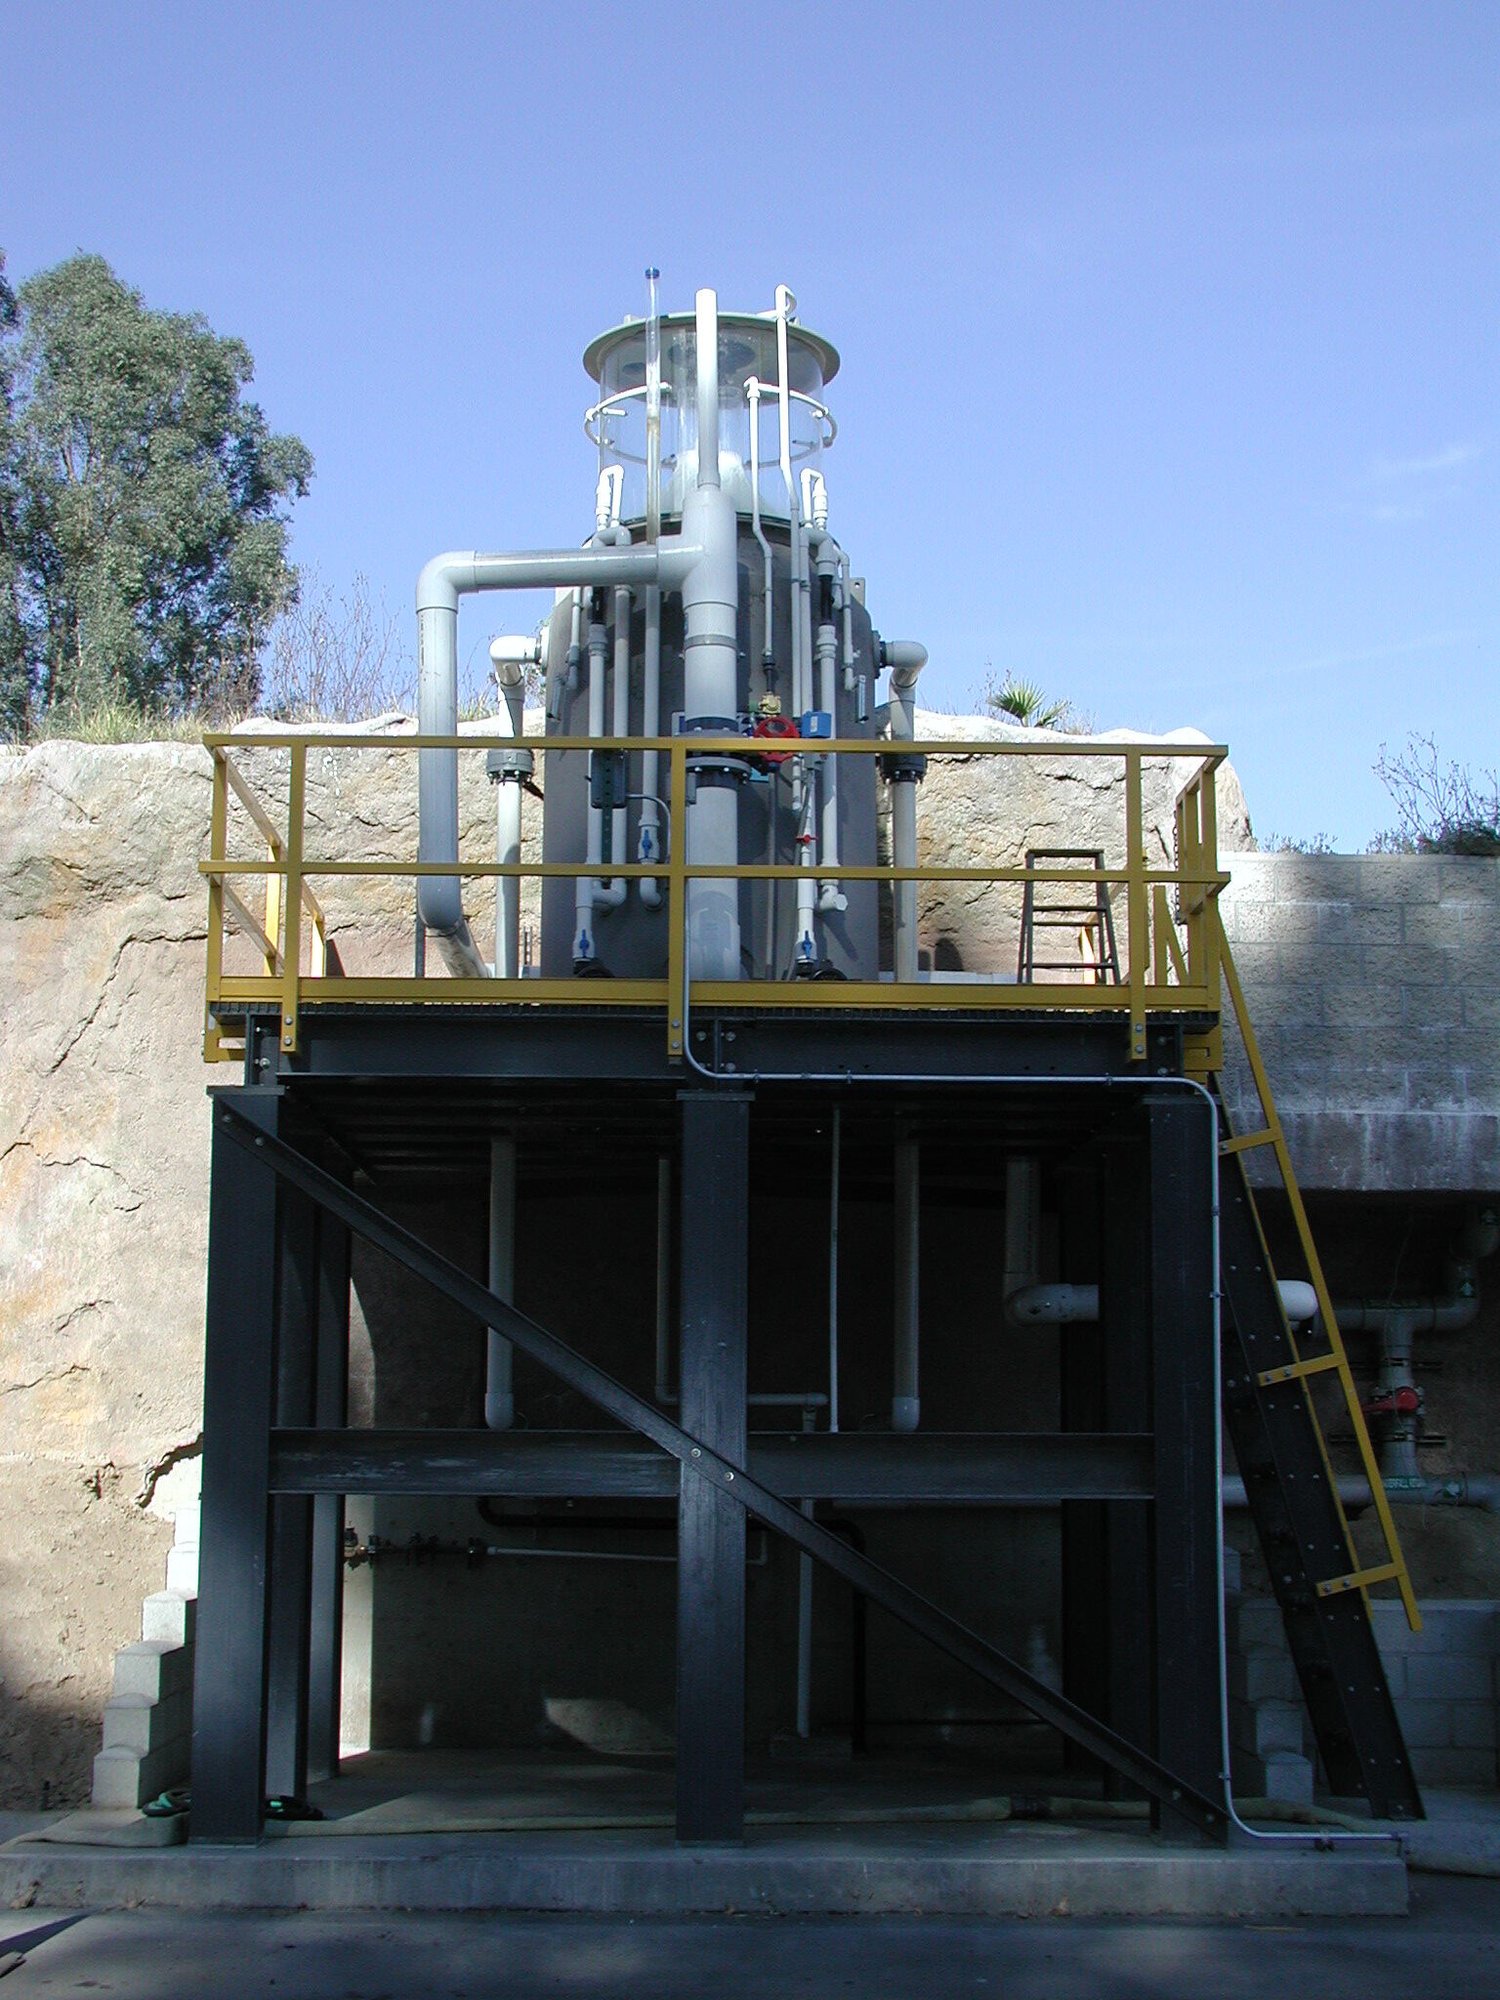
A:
(1279, 1442)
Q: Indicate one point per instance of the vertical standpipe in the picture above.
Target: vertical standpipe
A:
(906, 1407)
(710, 606)
(499, 1397)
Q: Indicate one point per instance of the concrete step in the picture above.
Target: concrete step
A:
(136, 1722)
(128, 1778)
(154, 1668)
(171, 1615)
(182, 1570)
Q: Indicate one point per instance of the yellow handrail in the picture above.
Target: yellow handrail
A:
(1162, 972)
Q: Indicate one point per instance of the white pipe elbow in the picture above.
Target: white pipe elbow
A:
(906, 659)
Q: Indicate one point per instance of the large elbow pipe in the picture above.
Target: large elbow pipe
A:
(439, 587)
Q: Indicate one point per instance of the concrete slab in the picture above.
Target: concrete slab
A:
(1031, 1872)
(461, 1831)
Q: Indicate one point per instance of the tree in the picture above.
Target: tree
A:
(13, 675)
(337, 657)
(1442, 808)
(145, 503)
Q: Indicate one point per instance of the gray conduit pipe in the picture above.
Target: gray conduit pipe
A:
(1458, 1489)
(826, 565)
(906, 659)
(648, 834)
(439, 587)
(1023, 1217)
(511, 657)
(589, 890)
(710, 605)
(1078, 1305)
(663, 1385)
(1396, 1324)
(906, 1407)
(499, 1397)
(618, 889)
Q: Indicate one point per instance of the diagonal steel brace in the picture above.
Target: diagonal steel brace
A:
(611, 1396)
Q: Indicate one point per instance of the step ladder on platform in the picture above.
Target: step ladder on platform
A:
(1072, 915)
(1278, 1439)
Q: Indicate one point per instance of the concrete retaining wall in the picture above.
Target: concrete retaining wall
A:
(1374, 987)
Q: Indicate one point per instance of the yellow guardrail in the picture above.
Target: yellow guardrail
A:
(1169, 957)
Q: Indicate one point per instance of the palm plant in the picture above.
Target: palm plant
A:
(1025, 702)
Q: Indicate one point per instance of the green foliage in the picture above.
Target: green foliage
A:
(1287, 843)
(1442, 807)
(338, 657)
(112, 722)
(1025, 702)
(13, 676)
(143, 505)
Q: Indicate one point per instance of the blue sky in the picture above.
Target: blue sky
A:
(1169, 330)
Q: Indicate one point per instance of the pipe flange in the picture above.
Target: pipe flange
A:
(517, 765)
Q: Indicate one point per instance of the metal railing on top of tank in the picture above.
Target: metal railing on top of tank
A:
(1167, 959)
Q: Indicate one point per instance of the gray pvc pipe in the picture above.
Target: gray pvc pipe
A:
(1078, 1305)
(1022, 1224)
(710, 612)
(906, 1407)
(499, 1398)
(442, 582)
(510, 657)
(906, 659)
(707, 306)
(1459, 1489)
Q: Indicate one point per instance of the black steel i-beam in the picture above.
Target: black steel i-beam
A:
(1182, 1138)
(239, 1384)
(1176, 1792)
(290, 1580)
(715, 1242)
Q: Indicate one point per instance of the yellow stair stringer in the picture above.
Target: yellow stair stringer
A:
(1335, 1360)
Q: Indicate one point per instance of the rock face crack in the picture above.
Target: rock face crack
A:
(79, 1160)
(160, 1467)
(131, 940)
(47, 1375)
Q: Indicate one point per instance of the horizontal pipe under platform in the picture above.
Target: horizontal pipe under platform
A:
(855, 1467)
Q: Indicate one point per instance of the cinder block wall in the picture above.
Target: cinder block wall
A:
(1444, 1681)
(1373, 982)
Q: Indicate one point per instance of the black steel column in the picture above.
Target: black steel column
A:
(711, 1525)
(1085, 1550)
(1125, 1328)
(291, 1514)
(1182, 1136)
(331, 1410)
(238, 1390)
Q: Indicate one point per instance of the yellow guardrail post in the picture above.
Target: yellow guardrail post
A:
(1137, 918)
(291, 950)
(218, 820)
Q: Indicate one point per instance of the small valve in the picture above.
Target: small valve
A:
(771, 724)
(1395, 1403)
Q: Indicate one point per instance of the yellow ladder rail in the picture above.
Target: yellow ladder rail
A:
(1336, 1360)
